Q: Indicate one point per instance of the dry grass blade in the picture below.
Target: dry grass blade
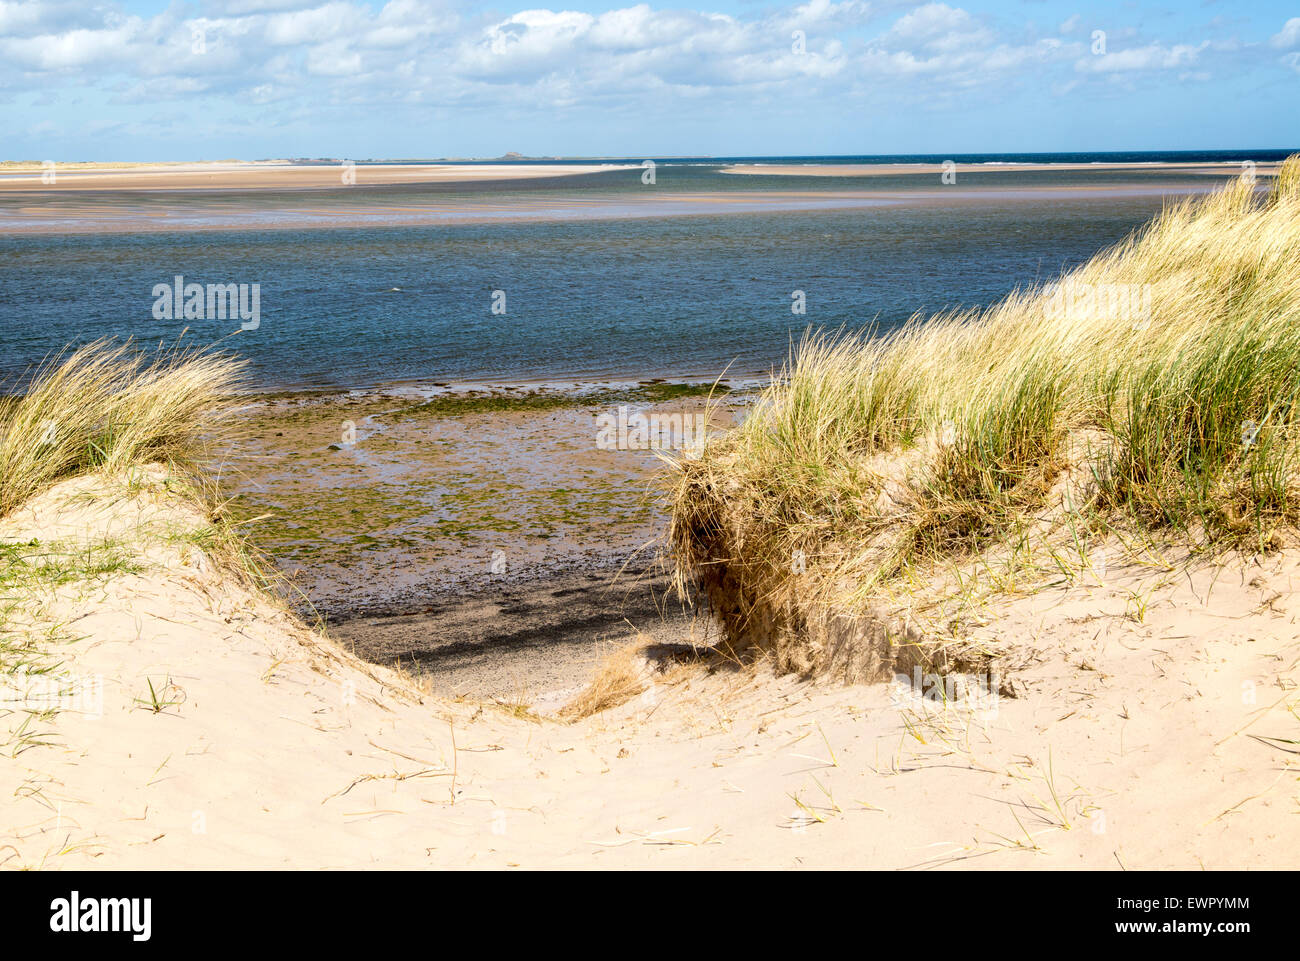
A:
(618, 678)
(109, 407)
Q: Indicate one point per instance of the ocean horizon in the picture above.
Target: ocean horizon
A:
(593, 277)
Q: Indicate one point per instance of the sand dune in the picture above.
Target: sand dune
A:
(1132, 741)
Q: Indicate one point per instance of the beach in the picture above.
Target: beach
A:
(483, 538)
(571, 533)
(199, 726)
(119, 198)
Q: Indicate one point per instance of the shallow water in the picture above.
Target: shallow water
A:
(602, 279)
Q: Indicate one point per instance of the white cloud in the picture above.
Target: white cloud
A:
(1151, 57)
(448, 53)
(937, 26)
(73, 48)
(1288, 36)
(313, 26)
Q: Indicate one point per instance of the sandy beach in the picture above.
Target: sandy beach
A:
(77, 213)
(499, 643)
(198, 726)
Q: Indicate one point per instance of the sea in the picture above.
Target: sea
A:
(670, 269)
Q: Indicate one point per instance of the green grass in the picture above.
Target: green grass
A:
(1168, 410)
(33, 564)
(108, 407)
(142, 422)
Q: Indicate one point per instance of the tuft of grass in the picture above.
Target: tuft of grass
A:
(617, 679)
(1153, 390)
(23, 566)
(165, 695)
(109, 407)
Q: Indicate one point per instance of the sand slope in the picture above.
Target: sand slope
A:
(1131, 743)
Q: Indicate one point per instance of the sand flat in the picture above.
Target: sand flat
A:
(894, 170)
(193, 211)
(272, 176)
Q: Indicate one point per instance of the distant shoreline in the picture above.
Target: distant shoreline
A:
(1223, 168)
(81, 211)
(29, 177)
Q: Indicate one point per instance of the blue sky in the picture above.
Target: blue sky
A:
(216, 79)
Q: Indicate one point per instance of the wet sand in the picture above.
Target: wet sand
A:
(268, 197)
(84, 215)
(518, 640)
(71, 212)
(482, 539)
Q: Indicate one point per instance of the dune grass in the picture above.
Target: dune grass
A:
(1155, 387)
(139, 418)
(619, 677)
(109, 407)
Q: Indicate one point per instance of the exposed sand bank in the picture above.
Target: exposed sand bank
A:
(281, 196)
(1158, 741)
(18, 178)
(78, 216)
(894, 170)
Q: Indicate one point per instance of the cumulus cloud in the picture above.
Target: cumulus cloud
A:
(1150, 57)
(939, 27)
(1288, 36)
(449, 53)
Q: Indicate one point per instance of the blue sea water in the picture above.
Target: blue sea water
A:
(613, 297)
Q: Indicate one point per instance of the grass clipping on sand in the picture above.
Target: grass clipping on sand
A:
(1152, 390)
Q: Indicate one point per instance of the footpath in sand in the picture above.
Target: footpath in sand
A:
(186, 721)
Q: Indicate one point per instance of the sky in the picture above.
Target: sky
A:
(255, 79)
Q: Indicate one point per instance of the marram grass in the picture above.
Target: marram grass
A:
(108, 407)
(1155, 387)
